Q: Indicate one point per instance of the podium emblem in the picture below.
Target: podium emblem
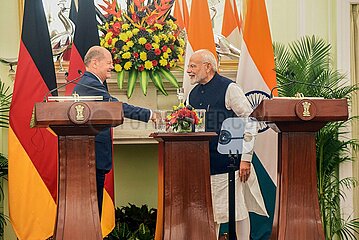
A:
(79, 113)
(305, 109)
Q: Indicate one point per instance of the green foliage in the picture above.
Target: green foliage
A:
(3, 175)
(134, 223)
(308, 61)
(5, 100)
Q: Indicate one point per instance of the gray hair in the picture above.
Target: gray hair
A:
(95, 52)
(208, 56)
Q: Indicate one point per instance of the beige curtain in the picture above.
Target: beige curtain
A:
(354, 69)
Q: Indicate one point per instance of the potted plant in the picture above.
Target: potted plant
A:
(5, 100)
(305, 67)
(134, 223)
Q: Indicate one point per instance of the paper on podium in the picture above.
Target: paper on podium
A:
(74, 98)
(237, 135)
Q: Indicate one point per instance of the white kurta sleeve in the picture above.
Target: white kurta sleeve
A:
(236, 100)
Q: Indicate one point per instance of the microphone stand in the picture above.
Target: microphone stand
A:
(63, 85)
(290, 82)
(232, 195)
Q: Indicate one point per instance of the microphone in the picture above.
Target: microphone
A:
(63, 85)
(300, 82)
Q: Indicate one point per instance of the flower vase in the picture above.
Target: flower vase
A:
(184, 128)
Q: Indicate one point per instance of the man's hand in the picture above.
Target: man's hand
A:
(155, 116)
(244, 170)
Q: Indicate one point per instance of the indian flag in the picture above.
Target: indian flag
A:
(180, 12)
(231, 23)
(257, 77)
(200, 36)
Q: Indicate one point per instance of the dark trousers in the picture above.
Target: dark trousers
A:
(100, 183)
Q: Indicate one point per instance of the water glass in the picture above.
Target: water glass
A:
(160, 123)
(201, 127)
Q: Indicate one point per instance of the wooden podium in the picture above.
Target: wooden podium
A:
(297, 214)
(184, 190)
(76, 124)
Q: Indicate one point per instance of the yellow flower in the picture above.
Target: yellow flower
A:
(126, 55)
(171, 37)
(163, 62)
(143, 56)
(118, 68)
(114, 40)
(125, 26)
(168, 50)
(130, 43)
(180, 51)
(127, 65)
(155, 45)
(181, 42)
(108, 36)
(106, 25)
(129, 34)
(180, 58)
(148, 65)
(159, 26)
(172, 63)
(135, 31)
(102, 42)
(123, 37)
(142, 40)
(149, 30)
(125, 48)
(165, 55)
(163, 36)
(156, 39)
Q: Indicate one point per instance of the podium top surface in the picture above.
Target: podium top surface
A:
(291, 110)
(77, 113)
(193, 136)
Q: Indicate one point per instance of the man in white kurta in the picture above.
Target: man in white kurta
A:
(222, 99)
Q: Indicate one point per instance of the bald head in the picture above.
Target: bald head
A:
(98, 60)
(95, 52)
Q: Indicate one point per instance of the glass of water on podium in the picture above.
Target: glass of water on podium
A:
(160, 123)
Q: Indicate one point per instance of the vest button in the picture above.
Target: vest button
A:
(202, 91)
(201, 104)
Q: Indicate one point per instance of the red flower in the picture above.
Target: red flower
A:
(148, 46)
(141, 68)
(109, 41)
(154, 63)
(135, 54)
(164, 48)
(157, 52)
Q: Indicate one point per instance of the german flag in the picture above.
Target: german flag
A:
(86, 36)
(32, 151)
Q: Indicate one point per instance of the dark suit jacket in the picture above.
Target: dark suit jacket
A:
(91, 86)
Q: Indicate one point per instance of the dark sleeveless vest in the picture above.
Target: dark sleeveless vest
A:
(211, 97)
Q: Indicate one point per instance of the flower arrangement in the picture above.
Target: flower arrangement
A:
(183, 118)
(144, 40)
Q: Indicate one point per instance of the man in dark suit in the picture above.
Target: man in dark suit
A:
(99, 65)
